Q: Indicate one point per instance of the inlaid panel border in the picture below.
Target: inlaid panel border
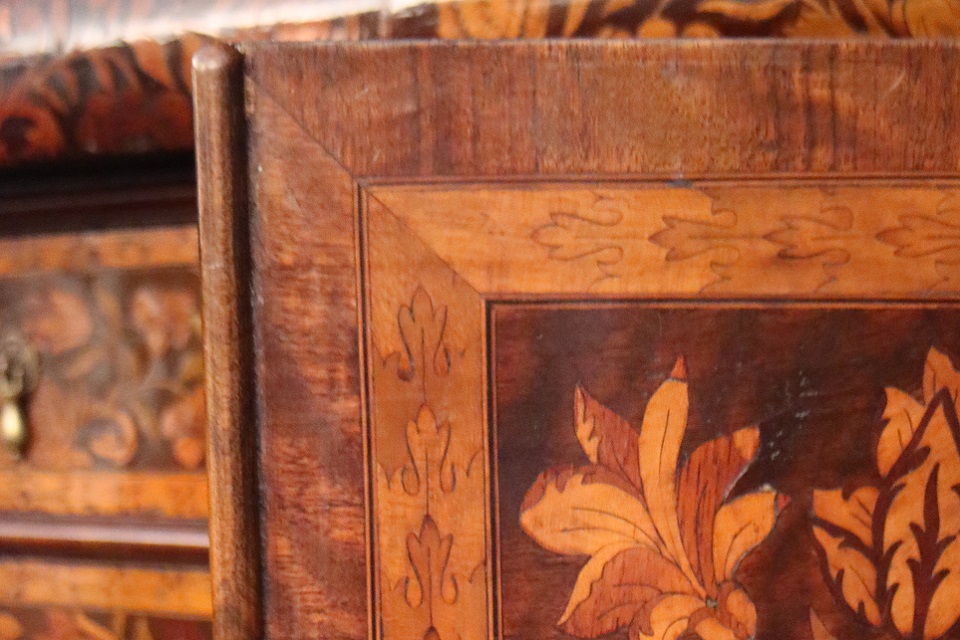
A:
(435, 257)
(280, 173)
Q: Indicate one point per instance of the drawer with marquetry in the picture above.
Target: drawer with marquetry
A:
(101, 375)
(103, 489)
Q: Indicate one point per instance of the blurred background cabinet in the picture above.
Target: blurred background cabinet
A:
(103, 510)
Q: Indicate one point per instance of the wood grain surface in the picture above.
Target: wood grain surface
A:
(38, 623)
(809, 378)
(388, 212)
(667, 108)
(313, 457)
(829, 238)
(232, 439)
(135, 589)
(114, 317)
(89, 78)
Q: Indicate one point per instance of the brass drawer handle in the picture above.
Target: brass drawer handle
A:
(19, 370)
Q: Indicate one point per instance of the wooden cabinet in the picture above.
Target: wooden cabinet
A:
(562, 340)
(103, 501)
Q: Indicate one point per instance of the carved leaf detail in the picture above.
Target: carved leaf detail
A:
(663, 544)
(892, 551)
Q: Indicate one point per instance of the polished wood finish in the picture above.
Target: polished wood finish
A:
(38, 623)
(106, 538)
(105, 510)
(78, 585)
(115, 319)
(224, 236)
(393, 220)
(92, 78)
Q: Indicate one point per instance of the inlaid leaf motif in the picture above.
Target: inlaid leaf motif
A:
(664, 540)
(429, 553)
(412, 375)
(891, 552)
(435, 573)
(684, 238)
(818, 629)
(809, 237)
(919, 236)
(606, 438)
(578, 233)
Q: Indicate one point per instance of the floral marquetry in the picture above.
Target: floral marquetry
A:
(891, 550)
(589, 340)
(664, 542)
(670, 516)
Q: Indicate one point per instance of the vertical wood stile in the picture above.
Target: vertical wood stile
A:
(225, 268)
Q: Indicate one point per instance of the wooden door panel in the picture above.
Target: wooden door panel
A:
(626, 340)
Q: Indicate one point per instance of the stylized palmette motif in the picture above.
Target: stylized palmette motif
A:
(664, 544)
(891, 550)
(433, 565)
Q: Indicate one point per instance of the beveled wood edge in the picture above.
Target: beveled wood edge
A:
(228, 355)
(105, 538)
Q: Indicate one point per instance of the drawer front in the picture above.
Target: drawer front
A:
(76, 601)
(579, 340)
(23, 623)
(115, 418)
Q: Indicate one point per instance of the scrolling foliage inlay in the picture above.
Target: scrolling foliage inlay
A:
(663, 534)
(432, 568)
(838, 239)
(891, 550)
(664, 544)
